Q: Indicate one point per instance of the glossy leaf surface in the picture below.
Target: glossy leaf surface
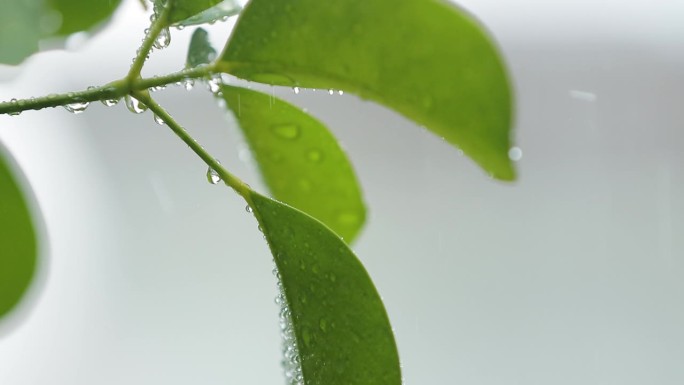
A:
(300, 160)
(200, 50)
(81, 15)
(340, 325)
(18, 250)
(221, 10)
(426, 59)
(185, 9)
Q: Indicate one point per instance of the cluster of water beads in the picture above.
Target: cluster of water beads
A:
(291, 363)
(331, 91)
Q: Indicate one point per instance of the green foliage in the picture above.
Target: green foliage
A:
(300, 160)
(340, 325)
(18, 249)
(422, 58)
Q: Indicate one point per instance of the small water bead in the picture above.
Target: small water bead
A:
(188, 84)
(295, 90)
(110, 102)
(134, 105)
(515, 154)
(331, 92)
(212, 176)
(14, 103)
(248, 208)
(77, 107)
(159, 120)
(214, 84)
(340, 92)
(163, 39)
(286, 131)
(315, 156)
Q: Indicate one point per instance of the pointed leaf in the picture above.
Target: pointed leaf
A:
(200, 51)
(224, 9)
(341, 329)
(300, 160)
(18, 250)
(423, 58)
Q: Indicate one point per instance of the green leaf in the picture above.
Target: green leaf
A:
(300, 160)
(340, 326)
(184, 9)
(23, 23)
(200, 51)
(82, 15)
(426, 59)
(19, 30)
(222, 10)
(18, 249)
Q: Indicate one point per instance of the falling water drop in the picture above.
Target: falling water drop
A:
(77, 107)
(163, 40)
(134, 105)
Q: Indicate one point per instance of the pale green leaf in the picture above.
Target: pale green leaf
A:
(340, 325)
(185, 9)
(222, 10)
(426, 59)
(300, 160)
(18, 249)
(80, 15)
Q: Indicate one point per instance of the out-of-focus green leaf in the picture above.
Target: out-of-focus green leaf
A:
(18, 250)
(19, 29)
(340, 326)
(300, 160)
(224, 9)
(24, 22)
(81, 15)
(426, 59)
(184, 9)
(200, 51)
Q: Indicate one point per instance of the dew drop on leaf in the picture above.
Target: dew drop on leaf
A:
(134, 105)
(286, 131)
(315, 156)
(77, 107)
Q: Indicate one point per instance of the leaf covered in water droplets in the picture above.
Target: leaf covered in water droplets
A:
(426, 59)
(340, 326)
(18, 249)
(300, 160)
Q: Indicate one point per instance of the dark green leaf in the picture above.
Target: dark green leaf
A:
(18, 251)
(300, 160)
(81, 15)
(424, 58)
(184, 9)
(340, 325)
(200, 51)
(222, 10)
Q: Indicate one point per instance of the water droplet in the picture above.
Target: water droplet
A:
(295, 90)
(248, 208)
(315, 156)
(214, 84)
(261, 229)
(77, 107)
(213, 176)
(286, 131)
(331, 92)
(14, 103)
(163, 40)
(110, 102)
(134, 105)
(515, 154)
(340, 92)
(159, 120)
(188, 84)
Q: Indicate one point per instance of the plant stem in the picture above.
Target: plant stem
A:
(229, 179)
(156, 81)
(155, 29)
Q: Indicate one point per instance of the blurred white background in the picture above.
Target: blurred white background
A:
(572, 275)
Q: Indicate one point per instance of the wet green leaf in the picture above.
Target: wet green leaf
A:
(340, 325)
(222, 10)
(426, 59)
(300, 160)
(18, 250)
(81, 15)
(185, 9)
(200, 51)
